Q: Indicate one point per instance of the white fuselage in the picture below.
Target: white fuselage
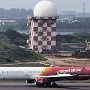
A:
(18, 73)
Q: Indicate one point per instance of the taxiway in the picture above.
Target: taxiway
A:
(61, 86)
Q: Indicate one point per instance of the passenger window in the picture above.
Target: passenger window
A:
(21, 71)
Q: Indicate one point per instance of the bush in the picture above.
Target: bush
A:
(10, 51)
(8, 60)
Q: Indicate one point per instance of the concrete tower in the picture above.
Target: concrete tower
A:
(42, 32)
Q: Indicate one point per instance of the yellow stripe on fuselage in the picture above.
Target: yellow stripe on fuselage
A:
(43, 71)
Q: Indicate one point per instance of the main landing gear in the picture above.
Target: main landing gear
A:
(48, 84)
(54, 84)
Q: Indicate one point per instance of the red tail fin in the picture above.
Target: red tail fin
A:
(53, 65)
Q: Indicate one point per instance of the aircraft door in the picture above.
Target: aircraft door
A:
(26, 73)
(0, 73)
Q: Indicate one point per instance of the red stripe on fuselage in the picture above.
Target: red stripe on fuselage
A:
(60, 70)
(79, 73)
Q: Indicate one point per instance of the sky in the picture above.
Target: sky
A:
(62, 5)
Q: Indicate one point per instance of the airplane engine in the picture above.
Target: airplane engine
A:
(30, 81)
(40, 81)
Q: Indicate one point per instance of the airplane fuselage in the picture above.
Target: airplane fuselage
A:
(27, 73)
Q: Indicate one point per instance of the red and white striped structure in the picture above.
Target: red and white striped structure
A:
(42, 32)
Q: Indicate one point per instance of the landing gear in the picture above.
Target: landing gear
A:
(48, 84)
(54, 84)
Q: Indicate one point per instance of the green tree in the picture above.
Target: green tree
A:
(16, 37)
(22, 23)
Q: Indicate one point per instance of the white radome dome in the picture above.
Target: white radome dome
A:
(45, 9)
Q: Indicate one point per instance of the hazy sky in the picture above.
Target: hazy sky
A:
(62, 5)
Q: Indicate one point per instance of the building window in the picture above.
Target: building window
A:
(47, 38)
(36, 46)
(47, 30)
(44, 39)
(41, 32)
(36, 40)
(36, 32)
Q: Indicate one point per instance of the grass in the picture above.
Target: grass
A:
(36, 64)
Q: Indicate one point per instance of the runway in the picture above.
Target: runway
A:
(61, 86)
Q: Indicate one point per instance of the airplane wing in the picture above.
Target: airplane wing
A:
(55, 76)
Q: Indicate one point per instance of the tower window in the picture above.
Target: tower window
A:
(36, 32)
(47, 30)
(36, 40)
(36, 46)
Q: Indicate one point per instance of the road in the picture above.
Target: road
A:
(61, 86)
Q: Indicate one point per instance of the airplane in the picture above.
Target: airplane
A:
(45, 75)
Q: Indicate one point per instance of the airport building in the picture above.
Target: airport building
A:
(42, 27)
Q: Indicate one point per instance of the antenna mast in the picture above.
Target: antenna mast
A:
(83, 11)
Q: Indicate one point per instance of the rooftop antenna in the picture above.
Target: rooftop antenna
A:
(83, 14)
(83, 11)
